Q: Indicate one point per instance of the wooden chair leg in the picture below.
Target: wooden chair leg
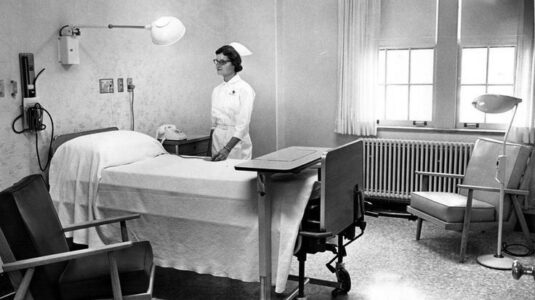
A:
(418, 228)
(114, 273)
(466, 225)
(523, 223)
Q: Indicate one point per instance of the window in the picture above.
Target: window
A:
(405, 84)
(435, 57)
(485, 70)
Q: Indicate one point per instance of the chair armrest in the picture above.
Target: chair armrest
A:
(94, 223)
(493, 189)
(436, 174)
(58, 257)
(317, 235)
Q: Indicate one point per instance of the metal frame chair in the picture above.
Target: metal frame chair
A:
(475, 206)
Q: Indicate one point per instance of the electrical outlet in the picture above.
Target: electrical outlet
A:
(2, 88)
(130, 84)
(120, 85)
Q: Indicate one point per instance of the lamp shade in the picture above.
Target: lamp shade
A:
(495, 104)
(166, 30)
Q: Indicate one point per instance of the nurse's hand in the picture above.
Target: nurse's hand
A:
(221, 155)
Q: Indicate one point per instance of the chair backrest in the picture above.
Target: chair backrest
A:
(481, 170)
(32, 228)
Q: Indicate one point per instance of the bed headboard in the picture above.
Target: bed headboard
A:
(60, 139)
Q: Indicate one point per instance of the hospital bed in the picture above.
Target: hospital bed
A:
(199, 215)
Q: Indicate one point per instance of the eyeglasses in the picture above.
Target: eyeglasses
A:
(220, 62)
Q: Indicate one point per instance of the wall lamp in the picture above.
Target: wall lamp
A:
(495, 104)
(164, 31)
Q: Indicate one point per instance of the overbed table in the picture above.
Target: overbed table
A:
(287, 160)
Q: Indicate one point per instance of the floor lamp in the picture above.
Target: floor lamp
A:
(495, 104)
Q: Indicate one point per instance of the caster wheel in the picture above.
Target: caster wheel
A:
(337, 291)
(344, 282)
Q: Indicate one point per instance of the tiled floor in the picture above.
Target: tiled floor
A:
(385, 263)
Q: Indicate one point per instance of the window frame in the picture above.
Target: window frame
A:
(487, 46)
(447, 70)
(382, 84)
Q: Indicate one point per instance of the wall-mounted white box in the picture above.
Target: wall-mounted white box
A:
(68, 50)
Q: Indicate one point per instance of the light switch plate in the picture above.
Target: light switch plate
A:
(120, 85)
(106, 85)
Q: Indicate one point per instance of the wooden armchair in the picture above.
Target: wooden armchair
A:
(36, 256)
(475, 206)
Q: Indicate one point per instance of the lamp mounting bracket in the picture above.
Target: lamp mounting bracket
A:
(69, 30)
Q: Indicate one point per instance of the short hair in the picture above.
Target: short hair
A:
(232, 55)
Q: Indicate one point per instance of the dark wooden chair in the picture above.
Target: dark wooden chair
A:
(40, 265)
(476, 205)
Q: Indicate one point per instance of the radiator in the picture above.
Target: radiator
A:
(390, 165)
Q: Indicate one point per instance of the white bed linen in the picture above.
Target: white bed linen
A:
(202, 216)
(76, 168)
(199, 215)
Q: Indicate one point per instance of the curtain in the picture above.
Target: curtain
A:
(523, 130)
(358, 31)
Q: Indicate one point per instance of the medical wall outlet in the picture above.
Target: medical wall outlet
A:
(106, 85)
(130, 84)
(69, 50)
(14, 89)
(30, 117)
(27, 75)
(2, 88)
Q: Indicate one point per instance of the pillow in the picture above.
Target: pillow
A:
(117, 147)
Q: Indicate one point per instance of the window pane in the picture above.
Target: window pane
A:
(467, 112)
(397, 66)
(397, 98)
(473, 66)
(421, 104)
(381, 72)
(505, 117)
(501, 65)
(422, 66)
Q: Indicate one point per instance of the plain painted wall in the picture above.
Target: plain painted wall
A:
(293, 70)
(173, 83)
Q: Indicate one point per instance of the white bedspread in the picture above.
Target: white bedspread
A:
(198, 215)
(202, 216)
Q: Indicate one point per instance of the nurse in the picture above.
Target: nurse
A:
(232, 105)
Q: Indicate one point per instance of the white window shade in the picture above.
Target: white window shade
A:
(490, 22)
(408, 23)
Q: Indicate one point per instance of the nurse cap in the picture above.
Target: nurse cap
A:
(241, 49)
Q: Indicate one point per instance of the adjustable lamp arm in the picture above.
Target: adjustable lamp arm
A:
(164, 31)
(110, 26)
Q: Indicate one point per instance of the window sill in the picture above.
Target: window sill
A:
(477, 131)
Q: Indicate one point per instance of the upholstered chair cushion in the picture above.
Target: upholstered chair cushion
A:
(450, 207)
